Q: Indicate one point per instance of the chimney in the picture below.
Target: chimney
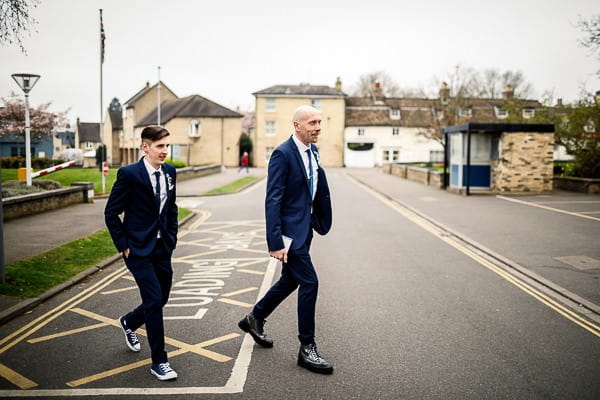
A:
(559, 102)
(338, 84)
(377, 92)
(444, 92)
(508, 92)
(598, 97)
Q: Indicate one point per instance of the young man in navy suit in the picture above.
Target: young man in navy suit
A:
(144, 193)
(297, 202)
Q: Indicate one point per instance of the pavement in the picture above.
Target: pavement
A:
(559, 249)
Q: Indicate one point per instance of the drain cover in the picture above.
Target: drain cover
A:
(580, 262)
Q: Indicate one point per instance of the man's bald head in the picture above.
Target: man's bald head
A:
(307, 124)
(302, 111)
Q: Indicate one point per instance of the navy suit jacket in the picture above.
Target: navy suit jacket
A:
(132, 194)
(288, 203)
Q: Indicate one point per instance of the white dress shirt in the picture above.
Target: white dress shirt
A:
(163, 184)
(315, 166)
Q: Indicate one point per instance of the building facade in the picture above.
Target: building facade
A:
(275, 107)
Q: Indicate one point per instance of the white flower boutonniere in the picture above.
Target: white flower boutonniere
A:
(169, 182)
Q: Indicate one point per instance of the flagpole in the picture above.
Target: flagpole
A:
(102, 152)
(158, 98)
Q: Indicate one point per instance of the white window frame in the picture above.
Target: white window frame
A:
(395, 113)
(89, 145)
(465, 112)
(500, 113)
(395, 131)
(195, 128)
(270, 104)
(268, 151)
(360, 132)
(270, 128)
(316, 103)
(528, 113)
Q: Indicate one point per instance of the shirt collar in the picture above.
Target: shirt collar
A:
(301, 146)
(151, 170)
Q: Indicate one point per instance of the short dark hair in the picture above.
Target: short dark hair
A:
(154, 133)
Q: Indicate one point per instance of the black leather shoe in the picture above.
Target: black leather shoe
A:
(254, 327)
(309, 358)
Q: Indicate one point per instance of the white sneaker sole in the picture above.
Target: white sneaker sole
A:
(167, 377)
(132, 348)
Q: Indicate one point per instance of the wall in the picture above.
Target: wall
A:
(206, 149)
(525, 164)
(331, 140)
(19, 206)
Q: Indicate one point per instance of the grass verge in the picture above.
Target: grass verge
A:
(70, 175)
(33, 276)
(234, 186)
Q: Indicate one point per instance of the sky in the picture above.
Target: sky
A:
(226, 50)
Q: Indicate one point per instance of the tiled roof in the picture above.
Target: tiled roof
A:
(131, 102)
(89, 132)
(300, 90)
(193, 106)
(420, 112)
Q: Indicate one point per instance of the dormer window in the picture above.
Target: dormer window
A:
(528, 113)
(500, 113)
(394, 113)
(195, 128)
(465, 112)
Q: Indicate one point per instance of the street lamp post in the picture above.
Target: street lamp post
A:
(26, 82)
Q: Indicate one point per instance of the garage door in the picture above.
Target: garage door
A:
(359, 155)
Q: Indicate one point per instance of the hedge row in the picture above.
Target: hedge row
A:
(36, 162)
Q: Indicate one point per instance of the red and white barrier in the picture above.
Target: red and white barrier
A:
(53, 169)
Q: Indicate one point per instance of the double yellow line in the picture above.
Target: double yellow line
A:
(532, 291)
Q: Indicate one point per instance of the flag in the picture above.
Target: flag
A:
(102, 37)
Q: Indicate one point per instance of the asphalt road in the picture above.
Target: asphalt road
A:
(403, 313)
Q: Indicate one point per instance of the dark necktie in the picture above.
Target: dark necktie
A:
(157, 194)
(311, 178)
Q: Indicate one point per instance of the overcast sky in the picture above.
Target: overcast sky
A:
(226, 50)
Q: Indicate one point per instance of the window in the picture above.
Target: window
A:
(500, 113)
(436, 155)
(268, 152)
(361, 132)
(394, 113)
(440, 115)
(391, 155)
(270, 128)
(395, 131)
(528, 113)
(316, 103)
(195, 128)
(270, 105)
(465, 112)
(89, 145)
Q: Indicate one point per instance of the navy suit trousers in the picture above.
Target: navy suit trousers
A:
(297, 272)
(153, 275)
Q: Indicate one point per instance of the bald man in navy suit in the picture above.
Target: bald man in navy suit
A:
(297, 202)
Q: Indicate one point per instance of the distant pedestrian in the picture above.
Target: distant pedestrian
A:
(145, 193)
(244, 162)
(297, 202)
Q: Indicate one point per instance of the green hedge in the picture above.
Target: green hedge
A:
(36, 162)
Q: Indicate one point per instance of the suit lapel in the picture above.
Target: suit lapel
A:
(299, 161)
(146, 178)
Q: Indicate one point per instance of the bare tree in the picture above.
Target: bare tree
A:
(364, 86)
(591, 27)
(16, 21)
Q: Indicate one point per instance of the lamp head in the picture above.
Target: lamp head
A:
(26, 81)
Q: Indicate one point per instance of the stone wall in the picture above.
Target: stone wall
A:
(19, 206)
(525, 163)
(422, 175)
